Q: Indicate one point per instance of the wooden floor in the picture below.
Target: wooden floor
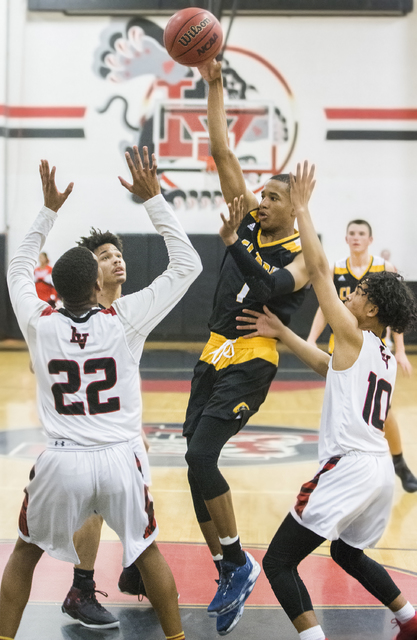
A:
(265, 468)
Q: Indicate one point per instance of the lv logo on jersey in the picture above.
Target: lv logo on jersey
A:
(80, 338)
(384, 356)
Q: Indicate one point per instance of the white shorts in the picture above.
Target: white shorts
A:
(349, 498)
(69, 483)
(140, 452)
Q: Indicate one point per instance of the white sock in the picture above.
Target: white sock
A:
(405, 614)
(218, 557)
(228, 540)
(314, 633)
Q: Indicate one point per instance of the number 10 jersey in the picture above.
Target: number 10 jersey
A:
(356, 402)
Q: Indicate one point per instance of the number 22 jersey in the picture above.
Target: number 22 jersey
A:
(78, 361)
(87, 367)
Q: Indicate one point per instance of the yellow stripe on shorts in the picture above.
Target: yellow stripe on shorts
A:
(245, 349)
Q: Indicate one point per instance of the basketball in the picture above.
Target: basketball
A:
(193, 36)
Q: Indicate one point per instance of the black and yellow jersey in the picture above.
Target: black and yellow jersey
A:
(232, 292)
(346, 282)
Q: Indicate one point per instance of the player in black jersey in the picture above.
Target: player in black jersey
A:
(346, 275)
(263, 264)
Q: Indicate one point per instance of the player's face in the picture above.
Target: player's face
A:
(358, 238)
(111, 262)
(357, 302)
(275, 210)
(43, 260)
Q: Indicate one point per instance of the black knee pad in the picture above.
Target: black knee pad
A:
(194, 459)
(204, 468)
(345, 555)
(200, 508)
(207, 483)
(273, 567)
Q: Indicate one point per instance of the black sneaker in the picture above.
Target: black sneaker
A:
(131, 583)
(82, 605)
(408, 480)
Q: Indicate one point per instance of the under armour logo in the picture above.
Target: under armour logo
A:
(384, 356)
(79, 338)
(62, 443)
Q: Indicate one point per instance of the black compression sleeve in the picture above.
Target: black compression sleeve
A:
(263, 285)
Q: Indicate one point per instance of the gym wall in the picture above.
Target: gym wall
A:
(81, 90)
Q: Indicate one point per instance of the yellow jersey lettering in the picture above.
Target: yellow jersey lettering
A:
(242, 293)
(344, 293)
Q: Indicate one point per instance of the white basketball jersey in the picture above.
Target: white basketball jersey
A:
(81, 394)
(87, 368)
(356, 402)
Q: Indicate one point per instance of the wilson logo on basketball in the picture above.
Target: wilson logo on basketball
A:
(193, 32)
(208, 45)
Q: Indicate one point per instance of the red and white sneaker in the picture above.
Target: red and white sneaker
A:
(408, 630)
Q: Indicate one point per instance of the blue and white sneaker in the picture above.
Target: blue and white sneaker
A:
(235, 585)
(227, 622)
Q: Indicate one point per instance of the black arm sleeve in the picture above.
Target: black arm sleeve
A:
(263, 285)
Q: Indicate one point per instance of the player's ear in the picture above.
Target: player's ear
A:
(372, 310)
(98, 285)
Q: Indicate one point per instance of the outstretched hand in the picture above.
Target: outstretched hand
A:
(266, 325)
(211, 71)
(53, 199)
(302, 187)
(231, 224)
(145, 181)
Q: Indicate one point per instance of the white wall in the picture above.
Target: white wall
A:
(331, 62)
(3, 99)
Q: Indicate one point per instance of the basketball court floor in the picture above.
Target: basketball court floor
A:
(265, 466)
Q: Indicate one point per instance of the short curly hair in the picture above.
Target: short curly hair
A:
(281, 177)
(74, 274)
(396, 303)
(97, 238)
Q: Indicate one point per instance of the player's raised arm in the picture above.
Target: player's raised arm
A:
(144, 175)
(26, 304)
(53, 199)
(317, 327)
(319, 323)
(146, 308)
(343, 323)
(230, 172)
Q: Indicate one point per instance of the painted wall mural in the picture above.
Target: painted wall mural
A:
(171, 118)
